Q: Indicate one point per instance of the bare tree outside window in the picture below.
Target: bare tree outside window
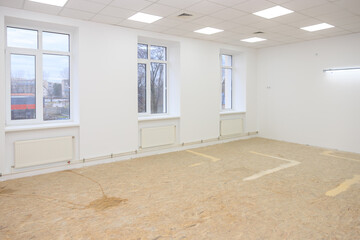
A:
(152, 79)
(158, 81)
(226, 81)
(141, 87)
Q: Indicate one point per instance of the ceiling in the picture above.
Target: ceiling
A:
(233, 16)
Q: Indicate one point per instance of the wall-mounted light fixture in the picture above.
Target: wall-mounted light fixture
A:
(341, 69)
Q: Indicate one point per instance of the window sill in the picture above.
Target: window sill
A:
(231, 112)
(155, 118)
(40, 126)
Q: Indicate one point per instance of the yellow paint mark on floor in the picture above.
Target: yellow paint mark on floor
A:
(343, 186)
(196, 164)
(214, 159)
(291, 163)
(329, 153)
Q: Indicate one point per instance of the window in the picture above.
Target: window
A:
(226, 82)
(152, 79)
(38, 63)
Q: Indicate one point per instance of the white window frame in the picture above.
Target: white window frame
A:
(232, 77)
(38, 53)
(147, 63)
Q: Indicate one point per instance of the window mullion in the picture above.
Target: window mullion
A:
(148, 88)
(39, 88)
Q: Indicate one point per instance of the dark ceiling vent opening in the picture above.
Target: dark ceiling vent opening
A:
(258, 32)
(185, 15)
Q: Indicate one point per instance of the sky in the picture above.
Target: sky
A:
(55, 67)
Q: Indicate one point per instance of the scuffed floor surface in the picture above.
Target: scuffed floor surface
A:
(197, 194)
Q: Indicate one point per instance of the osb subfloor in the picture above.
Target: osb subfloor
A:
(187, 195)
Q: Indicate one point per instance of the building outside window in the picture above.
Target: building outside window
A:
(38, 67)
(226, 82)
(152, 79)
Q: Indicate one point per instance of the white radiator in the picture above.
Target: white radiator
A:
(43, 151)
(158, 136)
(230, 127)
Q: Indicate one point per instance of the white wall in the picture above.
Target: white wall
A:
(2, 103)
(106, 89)
(299, 103)
(200, 95)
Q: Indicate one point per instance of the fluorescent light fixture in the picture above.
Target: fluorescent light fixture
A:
(341, 69)
(253, 39)
(144, 17)
(58, 3)
(208, 30)
(273, 12)
(317, 27)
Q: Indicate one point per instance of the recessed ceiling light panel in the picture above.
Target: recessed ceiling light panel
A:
(273, 12)
(144, 17)
(253, 39)
(317, 27)
(58, 3)
(208, 30)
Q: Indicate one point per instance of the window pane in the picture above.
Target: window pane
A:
(226, 95)
(141, 88)
(55, 41)
(226, 60)
(22, 38)
(56, 85)
(158, 87)
(158, 53)
(142, 51)
(23, 87)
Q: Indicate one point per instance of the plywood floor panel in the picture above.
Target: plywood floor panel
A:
(182, 195)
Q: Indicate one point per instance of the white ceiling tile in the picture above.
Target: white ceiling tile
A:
(194, 16)
(136, 5)
(350, 5)
(245, 30)
(228, 14)
(205, 7)
(354, 27)
(176, 32)
(227, 3)
(320, 10)
(248, 19)
(226, 25)
(132, 24)
(190, 27)
(340, 18)
(12, 3)
(338, 33)
(106, 19)
(207, 21)
(106, 2)
(168, 22)
(85, 6)
(160, 10)
(283, 29)
(264, 24)
(72, 13)
(179, 4)
(233, 16)
(279, 1)
(304, 23)
(297, 5)
(43, 8)
(289, 18)
(117, 12)
(254, 5)
(155, 28)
